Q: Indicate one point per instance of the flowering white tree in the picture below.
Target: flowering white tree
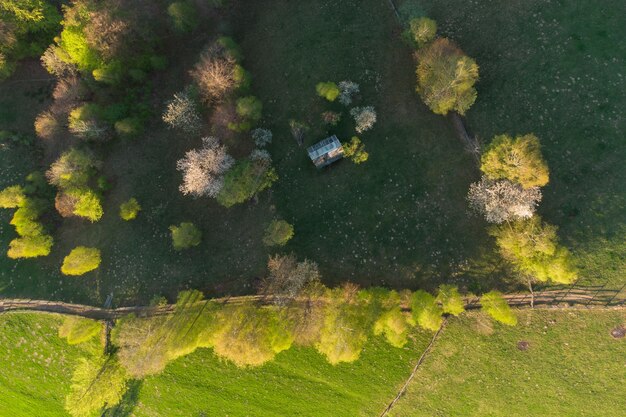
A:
(347, 91)
(503, 200)
(262, 137)
(260, 155)
(365, 117)
(203, 169)
(181, 113)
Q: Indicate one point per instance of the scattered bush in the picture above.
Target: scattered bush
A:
(181, 113)
(450, 300)
(185, 236)
(423, 30)
(355, 150)
(348, 90)
(365, 117)
(78, 330)
(446, 77)
(278, 233)
(426, 311)
(246, 179)
(261, 137)
(496, 306)
(81, 260)
(203, 169)
(329, 90)
(501, 201)
(129, 209)
(518, 160)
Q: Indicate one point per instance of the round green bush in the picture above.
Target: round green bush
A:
(185, 236)
(130, 209)
(278, 233)
(81, 260)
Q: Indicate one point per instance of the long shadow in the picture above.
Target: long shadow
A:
(128, 403)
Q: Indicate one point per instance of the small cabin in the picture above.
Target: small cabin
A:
(326, 152)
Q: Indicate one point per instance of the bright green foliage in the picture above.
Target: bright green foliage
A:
(96, 383)
(329, 90)
(183, 15)
(231, 47)
(12, 197)
(249, 108)
(77, 50)
(185, 236)
(242, 78)
(86, 122)
(30, 246)
(25, 222)
(450, 300)
(355, 150)
(278, 233)
(129, 127)
(532, 247)
(79, 330)
(394, 325)
(81, 260)
(72, 169)
(249, 335)
(244, 180)
(344, 332)
(446, 77)
(518, 160)
(129, 209)
(113, 73)
(423, 30)
(426, 311)
(496, 306)
(88, 204)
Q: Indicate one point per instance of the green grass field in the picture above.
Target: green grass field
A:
(36, 364)
(572, 367)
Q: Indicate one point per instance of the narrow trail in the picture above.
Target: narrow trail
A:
(414, 371)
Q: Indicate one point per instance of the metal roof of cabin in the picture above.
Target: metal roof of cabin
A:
(326, 151)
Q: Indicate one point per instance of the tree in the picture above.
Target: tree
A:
(203, 169)
(216, 73)
(502, 200)
(96, 383)
(287, 278)
(249, 109)
(181, 113)
(450, 300)
(348, 89)
(73, 168)
(426, 311)
(393, 323)
(87, 204)
(246, 179)
(46, 125)
(79, 330)
(331, 118)
(129, 209)
(185, 236)
(365, 117)
(278, 233)
(81, 260)
(518, 160)
(329, 90)
(423, 30)
(30, 246)
(533, 249)
(12, 197)
(261, 137)
(183, 16)
(496, 306)
(355, 150)
(446, 77)
(298, 130)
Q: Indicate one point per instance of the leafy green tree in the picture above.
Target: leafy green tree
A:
(12, 197)
(426, 311)
(249, 108)
(30, 246)
(446, 77)
(244, 180)
(96, 383)
(183, 15)
(450, 300)
(423, 30)
(278, 233)
(129, 209)
(86, 122)
(533, 249)
(73, 168)
(78, 330)
(392, 322)
(496, 306)
(329, 90)
(355, 150)
(185, 236)
(81, 260)
(516, 159)
(129, 128)
(88, 204)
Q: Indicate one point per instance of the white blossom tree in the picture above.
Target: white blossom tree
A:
(503, 200)
(262, 137)
(204, 168)
(181, 113)
(348, 89)
(365, 117)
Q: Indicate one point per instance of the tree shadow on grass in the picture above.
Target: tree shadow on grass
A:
(128, 403)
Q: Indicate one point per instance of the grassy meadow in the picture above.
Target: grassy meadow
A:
(571, 367)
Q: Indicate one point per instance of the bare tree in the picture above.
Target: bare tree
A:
(288, 278)
(503, 200)
(215, 73)
(203, 169)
